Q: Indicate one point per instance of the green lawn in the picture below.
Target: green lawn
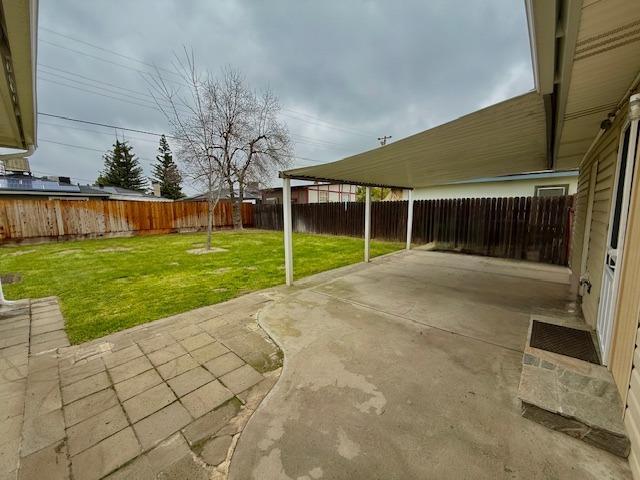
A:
(111, 284)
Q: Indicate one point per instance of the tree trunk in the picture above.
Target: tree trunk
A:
(235, 208)
(240, 200)
(210, 208)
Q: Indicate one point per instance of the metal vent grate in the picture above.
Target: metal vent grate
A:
(564, 340)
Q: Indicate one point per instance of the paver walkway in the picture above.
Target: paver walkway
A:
(163, 400)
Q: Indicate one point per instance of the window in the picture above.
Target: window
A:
(323, 196)
(551, 190)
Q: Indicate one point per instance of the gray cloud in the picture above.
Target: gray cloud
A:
(346, 72)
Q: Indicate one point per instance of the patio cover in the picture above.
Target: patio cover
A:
(509, 137)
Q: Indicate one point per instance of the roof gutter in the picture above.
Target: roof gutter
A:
(343, 181)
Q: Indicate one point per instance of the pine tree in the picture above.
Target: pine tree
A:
(166, 173)
(122, 169)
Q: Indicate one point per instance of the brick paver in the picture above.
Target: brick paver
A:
(148, 402)
(206, 398)
(155, 428)
(224, 364)
(138, 384)
(136, 404)
(189, 381)
(240, 379)
(106, 456)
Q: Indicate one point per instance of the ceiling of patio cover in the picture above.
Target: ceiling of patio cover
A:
(509, 137)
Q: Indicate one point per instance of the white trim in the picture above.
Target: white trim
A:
(624, 216)
(288, 243)
(367, 222)
(532, 43)
(409, 218)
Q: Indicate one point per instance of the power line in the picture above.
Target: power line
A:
(293, 113)
(94, 80)
(101, 94)
(305, 139)
(112, 52)
(95, 57)
(140, 139)
(88, 122)
(82, 147)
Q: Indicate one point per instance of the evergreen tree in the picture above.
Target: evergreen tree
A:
(166, 173)
(122, 169)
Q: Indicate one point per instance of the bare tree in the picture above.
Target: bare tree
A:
(266, 146)
(225, 130)
(194, 127)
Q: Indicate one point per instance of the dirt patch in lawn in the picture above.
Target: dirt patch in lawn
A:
(222, 270)
(204, 251)
(18, 253)
(114, 250)
(69, 251)
(9, 278)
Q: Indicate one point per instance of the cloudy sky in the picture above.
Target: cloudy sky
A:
(346, 72)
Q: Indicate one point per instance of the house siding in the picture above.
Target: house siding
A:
(606, 154)
(511, 188)
(624, 361)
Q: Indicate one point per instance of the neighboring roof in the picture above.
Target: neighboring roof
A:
(299, 187)
(18, 47)
(501, 139)
(249, 194)
(119, 193)
(27, 185)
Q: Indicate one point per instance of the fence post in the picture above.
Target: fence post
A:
(409, 219)
(367, 222)
(288, 243)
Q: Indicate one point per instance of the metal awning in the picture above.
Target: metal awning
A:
(505, 138)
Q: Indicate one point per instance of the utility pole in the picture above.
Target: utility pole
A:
(383, 140)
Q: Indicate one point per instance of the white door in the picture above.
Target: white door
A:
(617, 227)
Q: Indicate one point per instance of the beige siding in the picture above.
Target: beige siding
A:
(606, 154)
(625, 350)
(510, 188)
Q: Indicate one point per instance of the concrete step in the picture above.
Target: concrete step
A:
(572, 396)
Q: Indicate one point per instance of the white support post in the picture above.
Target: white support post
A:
(288, 242)
(4, 301)
(367, 222)
(409, 219)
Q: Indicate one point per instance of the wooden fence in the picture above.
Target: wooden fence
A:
(22, 220)
(532, 228)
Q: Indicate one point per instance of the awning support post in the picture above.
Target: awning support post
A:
(288, 242)
(409, 219)
(367, 222)
(4, 301)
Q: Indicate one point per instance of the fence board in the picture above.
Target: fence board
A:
(60, 219)
(529, 228)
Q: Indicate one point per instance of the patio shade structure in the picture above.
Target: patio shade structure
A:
(506, 138)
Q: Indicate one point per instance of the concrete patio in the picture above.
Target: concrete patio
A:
(409, 368)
